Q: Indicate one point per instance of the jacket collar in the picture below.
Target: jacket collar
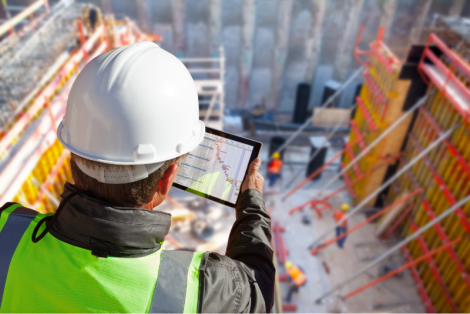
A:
(104, 229)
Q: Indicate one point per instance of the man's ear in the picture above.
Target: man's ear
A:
(167, 180)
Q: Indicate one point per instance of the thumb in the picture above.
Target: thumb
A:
(254, 166)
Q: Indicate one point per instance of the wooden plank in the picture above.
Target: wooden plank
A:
(330, 117)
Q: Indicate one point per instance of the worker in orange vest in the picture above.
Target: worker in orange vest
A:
(343, 227)
(296, 278)
(274, 169)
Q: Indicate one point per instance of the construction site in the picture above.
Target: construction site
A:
(367, 103)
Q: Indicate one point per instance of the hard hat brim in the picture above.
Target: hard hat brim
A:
(190, 144)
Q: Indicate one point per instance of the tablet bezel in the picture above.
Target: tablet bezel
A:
(254, 154)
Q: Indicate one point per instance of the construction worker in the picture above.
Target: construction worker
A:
(274, 169)
(132, 115)
(296, 279)
(343, 227)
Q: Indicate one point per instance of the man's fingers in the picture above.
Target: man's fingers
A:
(254, 166)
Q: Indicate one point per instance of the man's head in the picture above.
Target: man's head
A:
(147, 193)
(132, 113)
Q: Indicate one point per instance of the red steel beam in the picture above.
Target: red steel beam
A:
(400, 269)
(434, 269)
(419, 283)
(368, 117)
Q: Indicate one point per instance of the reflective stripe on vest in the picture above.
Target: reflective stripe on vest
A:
(175, 280)
(12, 228)
(60, 277)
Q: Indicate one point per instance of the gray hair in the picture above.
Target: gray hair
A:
(134, 194)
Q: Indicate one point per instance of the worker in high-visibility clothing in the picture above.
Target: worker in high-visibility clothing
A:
(296, 279)
(343, 227)
(274, 169)
(132, 116)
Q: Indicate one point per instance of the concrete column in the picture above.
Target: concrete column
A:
(346, 45)
(215, 23)
(313, 46)
(456, 8)
(246, 57)
(280, 52)
(419, 21)
(143, 16)
(179, 27)
(107, 7)
(388, 12)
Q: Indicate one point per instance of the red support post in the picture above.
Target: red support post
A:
(398, 221)
(435, 272)
(280, 246)
(396, 271)
(371, 218)
(289, 307)
(419, 283)
(82, 38)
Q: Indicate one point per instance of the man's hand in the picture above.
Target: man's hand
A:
(254, 180)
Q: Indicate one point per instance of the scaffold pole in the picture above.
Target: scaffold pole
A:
(400, 269)
(396, 247)
(370, 146)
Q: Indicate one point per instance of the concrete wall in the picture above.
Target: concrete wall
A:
(270, 60)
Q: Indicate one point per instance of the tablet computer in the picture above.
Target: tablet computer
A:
(217, 167)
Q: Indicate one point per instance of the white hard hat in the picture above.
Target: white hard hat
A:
(134, 105)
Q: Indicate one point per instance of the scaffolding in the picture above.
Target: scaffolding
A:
(208, 75)
(444, 174)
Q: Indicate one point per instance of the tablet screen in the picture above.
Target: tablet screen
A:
(216, 167)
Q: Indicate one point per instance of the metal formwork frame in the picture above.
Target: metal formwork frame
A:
(435, 271)
(419, 283)
(398, 246)
(441, 233)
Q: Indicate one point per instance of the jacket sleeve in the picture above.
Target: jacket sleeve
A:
(243, 279)
(250, 242)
